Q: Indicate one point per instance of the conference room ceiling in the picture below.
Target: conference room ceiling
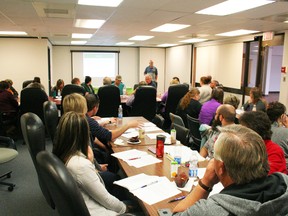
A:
(55, 20)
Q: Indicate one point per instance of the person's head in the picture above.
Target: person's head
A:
(72, 136)
(148, 78)
(74, 102)
(142, 83)
(214, 84)
(60, 84)
(275, 110)
(4, 85)
(107, 81)
(118, 80)
(174, 82)
(225, 112)
(218, 95)
(9, 81)
(257, 121)
(194, 93)
(241, 154)
(232, 100)
(92, 103)
(35, 85)
(176, 78)
(76, 81)
(151, 63)
(255, 94)
(205, 80)
(37, 80)
(88, 80)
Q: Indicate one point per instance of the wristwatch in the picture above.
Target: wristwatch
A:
(205, 187)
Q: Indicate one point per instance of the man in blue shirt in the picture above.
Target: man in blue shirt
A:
(119, 84)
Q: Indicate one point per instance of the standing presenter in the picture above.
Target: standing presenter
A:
(152, 70)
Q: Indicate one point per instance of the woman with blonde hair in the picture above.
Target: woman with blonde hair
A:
(190, 105)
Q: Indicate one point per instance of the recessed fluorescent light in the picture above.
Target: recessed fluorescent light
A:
(140, 38)
(78, 42)
(166, 45)
(124, 43)
(193, 40)
(237, 33)
(169, 27)
(12, 33)
(233, 6)
(101, 3)
(89, 23)
(286, 21)
(75, 35)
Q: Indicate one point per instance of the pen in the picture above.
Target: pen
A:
(149, 184)
(176, 199)
(134, 158)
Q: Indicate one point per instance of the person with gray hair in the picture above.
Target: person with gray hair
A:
(240, 163)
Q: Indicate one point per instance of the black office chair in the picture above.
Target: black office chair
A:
(158, 120)
(144, 103)
(182, 134)
(32, 100)
(8, 121)
(7, 153)
(175, 93)
(195, 136)
(33, 132)
(176, 119)
(51, 117)
(61, 185)
(26, 83)
(109, 96)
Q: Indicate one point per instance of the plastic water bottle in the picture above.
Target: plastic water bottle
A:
(120, 112)
(193, 165)
(254, 107)
(58, 93)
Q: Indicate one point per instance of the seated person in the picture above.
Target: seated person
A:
(107, 81)
(214, 84)
(255, 101)
(57, 89)
(234, 101)
(209, 108)
(148, 80)
(12, 89)
(87, 85)
(205, 89)
(119, 84)
(131, 98)
(260, 123)
(240, 164)
(36, 83)
(73, 128)
(76, 81)
(276, 112)
(225, 115)
(190, 105)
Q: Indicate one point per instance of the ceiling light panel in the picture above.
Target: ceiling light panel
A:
(12, 33)
(193, 40)
(166, 45)
(233, 6)
(124, 43)
(101, 3)
(169, 27)
(237, 33)
(75, 35)
(89, 23)
(140, 38)
(78, 42)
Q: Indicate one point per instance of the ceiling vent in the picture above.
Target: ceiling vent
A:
(54, 10)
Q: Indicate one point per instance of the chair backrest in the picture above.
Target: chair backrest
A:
(51, 117)
(194, 125)
(176, 119)
(26, 83)
(61, 185)
(109, 96)
(32, 100)
(175, 93)
(158, 120)
(33, 132)
(144, 103)
(182, 134)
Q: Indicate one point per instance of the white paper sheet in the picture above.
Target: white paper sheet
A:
(143, 161)
(185, 151)
(129, 154)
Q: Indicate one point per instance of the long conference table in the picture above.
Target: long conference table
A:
(158, 169)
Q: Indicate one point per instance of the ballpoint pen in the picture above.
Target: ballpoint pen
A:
(177, 199)
(149, 184)
(134, 158)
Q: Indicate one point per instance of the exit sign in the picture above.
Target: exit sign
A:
(268, 36)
